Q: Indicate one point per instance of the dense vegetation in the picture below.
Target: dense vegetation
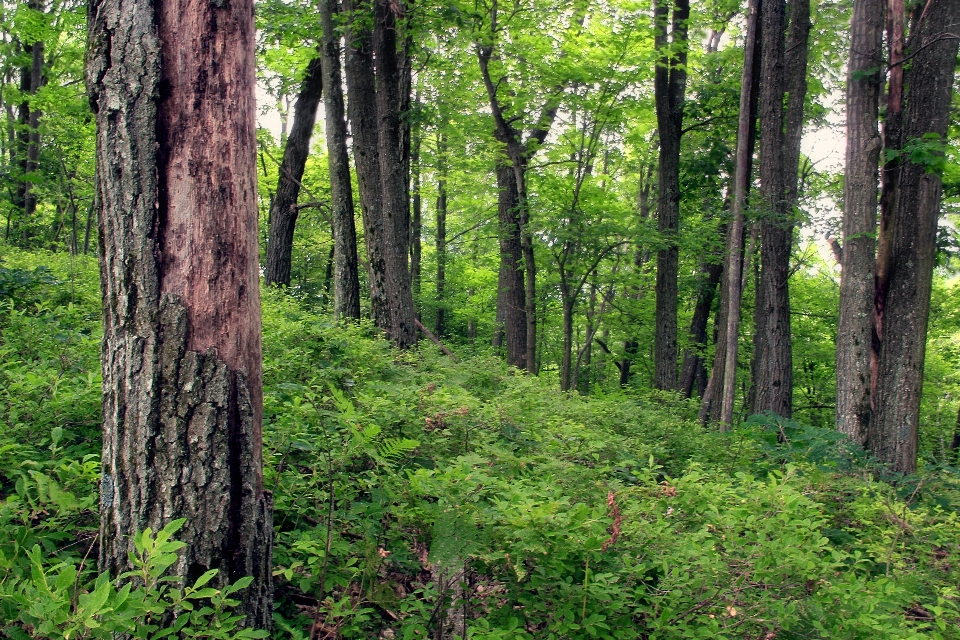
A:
(414, 493)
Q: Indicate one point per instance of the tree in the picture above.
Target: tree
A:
(905, 257)
(285, 211)
(670, 81)
(855, 325)
(375, 97)
(346, 280)
(176, 185)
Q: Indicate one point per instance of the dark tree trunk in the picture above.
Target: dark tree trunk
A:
(346, 289)
(893, 432)
(28, 147)
(284, 212)
(857, 258)
(362, 111)
(511, 293)
(720, 389)
(176, 187)
(693, 358)
(774, 362)
(393, 174)
(670, 81)
(416, 218)
(440, 326)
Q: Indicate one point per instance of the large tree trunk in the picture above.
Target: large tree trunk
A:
(774, 359)
(362, 111)
(670, 81)
(855, 326)
(176, 186)
(893, 433)
(511, 294)
(283, 214)
(393, 176)
(346, 287)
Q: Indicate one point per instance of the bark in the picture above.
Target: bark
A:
(774, 363)
(893, 433)
(440, 325)
(284, 212)
(393, 175)
(176, 189)
(346, 288)
(511, 290)
(362, 112)
(670, 81)
(857, 257)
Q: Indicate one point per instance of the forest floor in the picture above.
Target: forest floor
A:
(416, 497)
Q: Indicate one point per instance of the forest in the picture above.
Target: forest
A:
(526, 319)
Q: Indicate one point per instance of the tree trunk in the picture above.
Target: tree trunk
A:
(362, 111)
(893, 432)
(693, 357)
(28, 147)
(855, 325)
(346, 289)
(670, 81)
(393, 176)
(284, 212)
(720, 391)
(511, 293)
(176, 187)
(416, 218)
(774, 360)
(566, 362)
(440, 326)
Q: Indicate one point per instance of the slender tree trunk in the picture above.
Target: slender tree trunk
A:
(670, 81)
(416, 219)
(28, 147)
(176, 187)
(718, 398)
(393, 176)
(855, 326)
(346, 289)
(511, 292)
(693, 357)
(893, 433)
(774, 361)
(566, 363)
(440, 325)
(284, 212)
(362, 112)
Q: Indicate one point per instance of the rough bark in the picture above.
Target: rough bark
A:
(893, 432)
(393, 175)
(346, 287)
(774, 362)
(511, 291)
(670, 81)
(362, 112)
(855, 325)
(284, 212)
(176, 189)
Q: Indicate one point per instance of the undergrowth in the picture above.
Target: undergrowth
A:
(420, 498)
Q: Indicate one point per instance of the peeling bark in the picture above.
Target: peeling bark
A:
(176, 192)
